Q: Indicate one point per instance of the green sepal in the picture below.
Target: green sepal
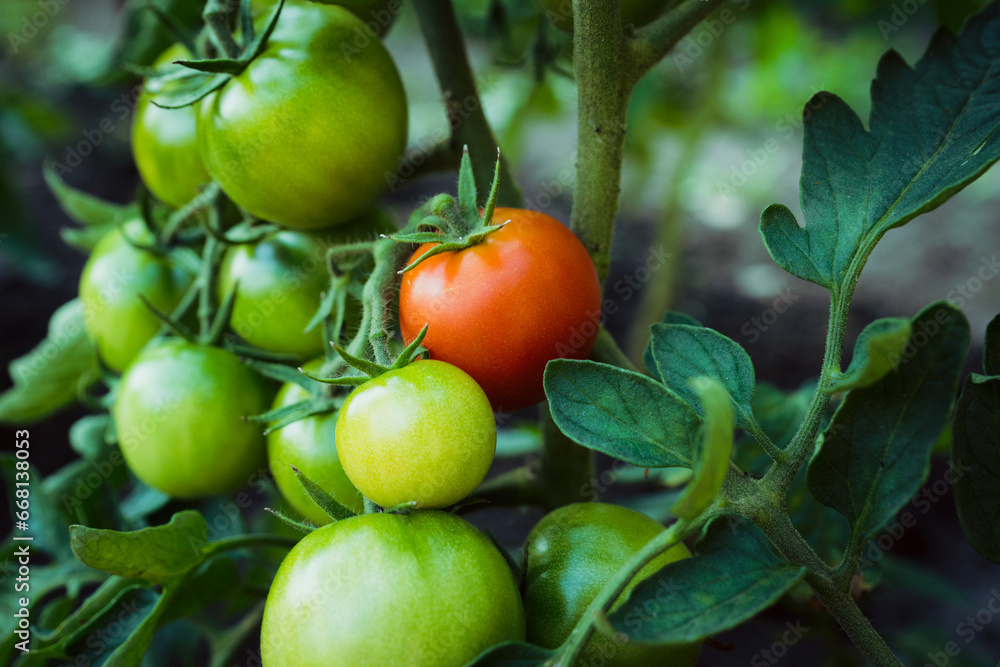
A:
(319, 495)
(303, 526)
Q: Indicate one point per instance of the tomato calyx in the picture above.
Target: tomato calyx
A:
(198, 78)
(453, 225)
(370, 369)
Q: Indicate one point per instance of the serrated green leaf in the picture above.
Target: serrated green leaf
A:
(715, 451)
(734, 575)
(991, 357)
(50, 376)
(876, 451)
(876, 352)
(513, 654)
(158, 554)
(933, 131)
(626, 415)
(682, 352)
(976, 463)
(84, 208)
(321, 497)
(670, 317)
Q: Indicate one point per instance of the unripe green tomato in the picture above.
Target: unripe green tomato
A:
(572, 553)
(377, 15)
(306, 135)
(310, 445)
(165, 141)
(114, 276)
(179, 417)
(280, 281)
(424, 433)
(633, 12)
(417, 590)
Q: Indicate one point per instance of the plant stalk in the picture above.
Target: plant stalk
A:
(468, 123)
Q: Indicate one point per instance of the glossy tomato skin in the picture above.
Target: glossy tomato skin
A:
(310, 445)
(636, 13)
(307, 133)
(165, 141)
(179, 417)
(114, 277)
(572, 553)
(423, 433)
(419, 590)
(280, 281)
(502, 309)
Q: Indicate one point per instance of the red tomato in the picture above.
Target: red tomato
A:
(502, 309)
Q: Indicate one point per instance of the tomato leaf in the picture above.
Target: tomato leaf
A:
(876, 451)
(975, 452)
(321, 497)
(670, 317)
(715, 452)
(51, 375)
(159, 554)
(513, 654)
(876, 352)
(735, 574)
(623, 414)
(682, 352)
(118, 631)
(933, 131)
(84, 208)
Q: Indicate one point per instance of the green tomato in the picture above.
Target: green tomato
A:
(572, 553)
(114, 277)
(424, 433)
(306, 135)
(310, 445)
(419, 590)
(636, 13)
(179, 417)
(165, 141)
(280, 281)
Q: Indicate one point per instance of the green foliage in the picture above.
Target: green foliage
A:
(621, 413)
(933, 131)
(876, 352)
(976, 451)
(713, 460)
(52, 375)
(734, 574)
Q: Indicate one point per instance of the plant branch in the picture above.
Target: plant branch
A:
(606, 351)
(652, 43)
(378, 297)
(598, 48)
(469, 127)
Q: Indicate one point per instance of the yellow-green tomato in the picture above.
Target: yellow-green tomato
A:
(572, 553)
(165, 141)
(180, 419)
(306, 135)
(280, 281)
(424, 433)
(310, 445)
(636, 13)
(378, 590)
(114, 277)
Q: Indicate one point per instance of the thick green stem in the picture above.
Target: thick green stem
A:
(598, 49)
(779, 529)
(377, 300)
(469, 127)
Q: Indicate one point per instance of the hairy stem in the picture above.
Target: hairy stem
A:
(652, 43)
(461, 97)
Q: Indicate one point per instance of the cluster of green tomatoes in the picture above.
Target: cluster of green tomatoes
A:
(306, 138)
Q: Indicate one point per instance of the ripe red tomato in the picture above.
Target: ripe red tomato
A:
(504, 308)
